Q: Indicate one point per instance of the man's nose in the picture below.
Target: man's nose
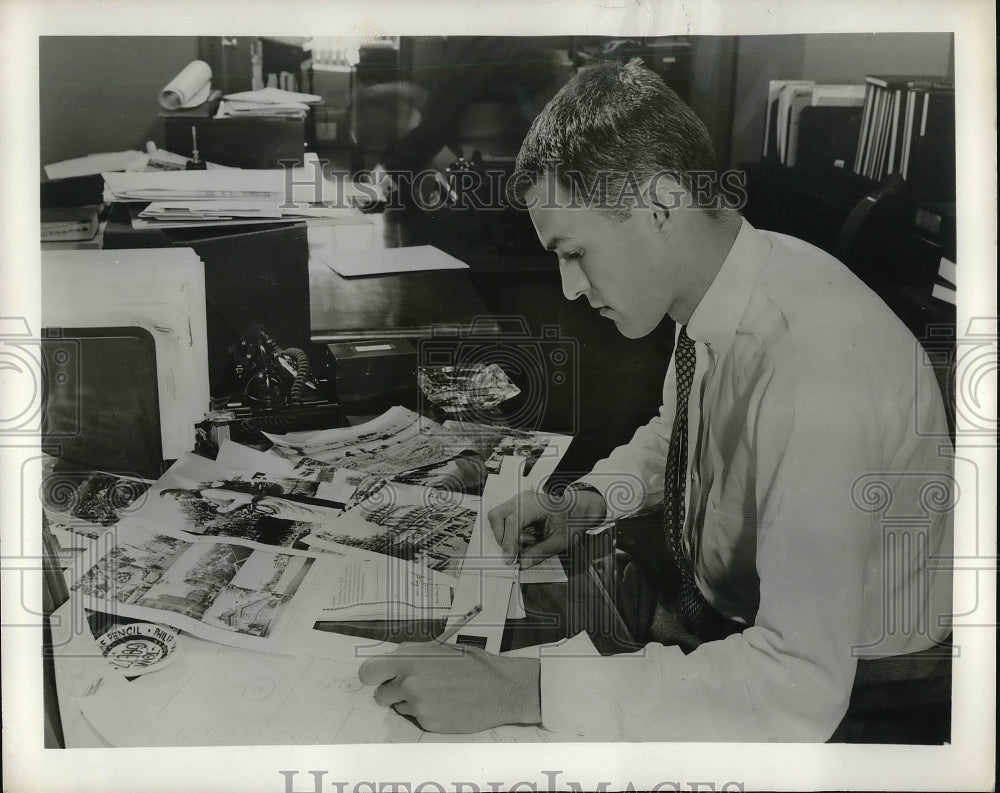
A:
(574, 282)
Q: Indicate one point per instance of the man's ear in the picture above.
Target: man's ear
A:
(665, 195)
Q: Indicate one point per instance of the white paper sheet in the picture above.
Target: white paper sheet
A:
(486, 579)
(236, 455)
(273, 96)
(215, 696)
(94, 164)
(413, 259)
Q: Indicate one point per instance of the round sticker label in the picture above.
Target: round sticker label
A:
(139, 647)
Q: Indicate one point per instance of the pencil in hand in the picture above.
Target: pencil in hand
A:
(462, 621)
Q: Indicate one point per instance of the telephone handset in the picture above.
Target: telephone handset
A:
(267, 375)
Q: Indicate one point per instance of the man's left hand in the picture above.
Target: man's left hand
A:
(455, 689)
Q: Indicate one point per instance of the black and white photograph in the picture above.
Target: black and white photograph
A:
(658, 337)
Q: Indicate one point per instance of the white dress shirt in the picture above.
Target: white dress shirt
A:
(818, 509)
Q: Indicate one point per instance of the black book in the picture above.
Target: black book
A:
(827, 133)
(939, 117)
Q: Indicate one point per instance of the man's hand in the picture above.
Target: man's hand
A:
(536, 526)
(455, 689)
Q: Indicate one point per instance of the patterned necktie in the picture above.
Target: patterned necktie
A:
(698, 616)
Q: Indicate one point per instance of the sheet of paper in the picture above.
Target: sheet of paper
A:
(491, 590)
(93, 164)
(314, 442)
(167, 210)
(221, 696)
(579, 645)
(486, 579)
(236, 455)
(547, 571)
(335, 215)
(273, 96)
(413, 259)
(152, 223)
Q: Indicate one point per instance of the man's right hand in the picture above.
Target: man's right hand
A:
(535, 526)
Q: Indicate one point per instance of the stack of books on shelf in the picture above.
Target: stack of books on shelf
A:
(811, 124)
(908, 121)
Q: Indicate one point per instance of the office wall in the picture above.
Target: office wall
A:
(99, 93)
(830, 58)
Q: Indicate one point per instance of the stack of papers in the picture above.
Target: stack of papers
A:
(210, 210)
(267, 103)
(234, 195)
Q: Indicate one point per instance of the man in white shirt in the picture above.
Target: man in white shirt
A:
(810, 521)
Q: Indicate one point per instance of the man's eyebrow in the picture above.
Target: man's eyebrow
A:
(553, 243)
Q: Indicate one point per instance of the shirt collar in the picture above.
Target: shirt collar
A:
(718, 315)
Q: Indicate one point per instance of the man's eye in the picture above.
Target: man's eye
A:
(575, 256)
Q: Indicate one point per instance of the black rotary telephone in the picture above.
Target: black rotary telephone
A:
(268, 376)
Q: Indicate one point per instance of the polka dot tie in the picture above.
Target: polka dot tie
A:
(699, 617)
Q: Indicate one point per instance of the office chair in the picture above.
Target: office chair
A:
(880, 242)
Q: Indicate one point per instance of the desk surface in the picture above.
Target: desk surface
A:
(400, 305)
(553, 612)
(409, 304)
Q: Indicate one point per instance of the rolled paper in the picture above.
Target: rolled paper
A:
(189, 88)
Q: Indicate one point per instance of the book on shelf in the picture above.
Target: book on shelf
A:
(787, 100)
(898, 111)
(775, 89)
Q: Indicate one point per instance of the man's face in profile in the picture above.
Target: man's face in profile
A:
(616, 264)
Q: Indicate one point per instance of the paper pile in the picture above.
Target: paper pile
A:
(253, 549)
(267, 103)
(233, 195)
